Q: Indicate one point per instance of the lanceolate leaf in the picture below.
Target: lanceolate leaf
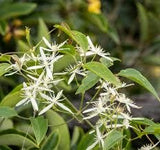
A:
(17, 138)
(3, 68)
(143, 19)
(102, 71)
(89, 81)
(58, 123)
(40, 126)
(137, 77)
(16, 9)
(43, 32)
(7, 112)
(86, 141)
(112, 139)
(51, 142)
(78, 37)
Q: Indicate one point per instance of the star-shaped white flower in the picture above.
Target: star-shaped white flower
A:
(29, 96)
(53, 100)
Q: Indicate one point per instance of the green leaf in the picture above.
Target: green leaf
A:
(51, 142)
(153, 129)
(58, 123)
(7, 112)
(22, 46)
(3, 68)
(78, 37)
(68, 49)
(88, 82)
(4, 147)
(40, 126)
(43, 32)
(16, 138)
(137, 77)
(102, 71)
(143, 121)
(76, 137)
(107, 62)
(86, 141)
(112, 139)
(16, 9)
(143, 19)
(12, 98)
(5, 58)
(6, 124)
(3, 27)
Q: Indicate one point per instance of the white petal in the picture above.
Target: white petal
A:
(34, 104)
(35, 67)
(64, 107)
(22, 102)
(49, 73)
(71, 78)
(45, 109)
(47, 43)
(59, 94)
(89, 110)
(46, 97)
(90, 43)
(92, 146)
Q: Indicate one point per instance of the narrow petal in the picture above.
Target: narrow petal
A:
(46, 109)
(47, 43)
(71, 78)
(34, 104)
(35, 67)
(46, 97)
(64, 107)
(92, 146)
(22, 102)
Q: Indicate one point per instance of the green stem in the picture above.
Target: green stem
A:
(82, 100)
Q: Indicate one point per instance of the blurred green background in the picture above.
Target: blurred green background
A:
(128, 29)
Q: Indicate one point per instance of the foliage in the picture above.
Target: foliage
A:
(42, 94)
(129, 30)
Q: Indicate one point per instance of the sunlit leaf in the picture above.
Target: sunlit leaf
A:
(112, 139)
(3, 68)
(88, 82)
(137, 77)
(40, 126)
(78, 37)
(102, 71)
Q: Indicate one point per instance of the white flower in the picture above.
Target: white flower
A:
(17, 66)
(53, 100)
(52, 47)
(29, 96)
(98, 140)
(128, 102)
(73, 70)
(47, 63)
(99, 107)
(95, 50)
(148, 146)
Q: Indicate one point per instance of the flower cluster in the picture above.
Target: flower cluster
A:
(111, 107)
